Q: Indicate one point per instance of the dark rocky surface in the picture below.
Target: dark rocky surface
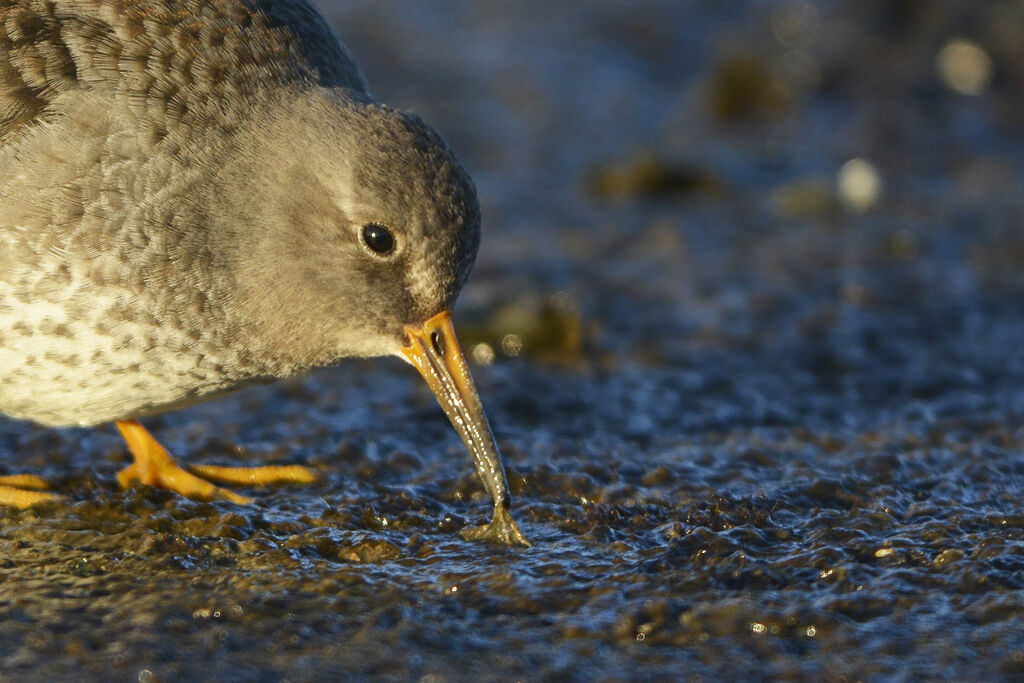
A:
(759, 421)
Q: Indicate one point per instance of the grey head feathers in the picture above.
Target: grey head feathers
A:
(304, 179)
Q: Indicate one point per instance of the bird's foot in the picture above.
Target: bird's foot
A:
(154, 466)
(502, 530)
(24, 491)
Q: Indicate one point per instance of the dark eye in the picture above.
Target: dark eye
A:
(378, 238)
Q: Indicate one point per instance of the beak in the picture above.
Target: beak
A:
(435, 352)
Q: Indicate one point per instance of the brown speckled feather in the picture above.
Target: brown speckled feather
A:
(175, 62)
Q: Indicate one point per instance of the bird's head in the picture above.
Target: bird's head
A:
(357, 221)
(353, 228)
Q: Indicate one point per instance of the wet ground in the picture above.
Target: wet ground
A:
(762, 408)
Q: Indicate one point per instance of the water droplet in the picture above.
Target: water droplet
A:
(482, 354)
(964, 67)
(859, 184)
(512, 345)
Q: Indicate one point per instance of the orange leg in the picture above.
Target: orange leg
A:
(24, 490)
(154, 466)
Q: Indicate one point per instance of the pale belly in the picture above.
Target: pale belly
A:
(109, 304)
(56, 372)
(74, 357)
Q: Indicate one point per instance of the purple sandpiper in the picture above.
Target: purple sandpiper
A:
(199, 195)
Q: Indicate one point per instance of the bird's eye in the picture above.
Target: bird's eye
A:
(378, 238)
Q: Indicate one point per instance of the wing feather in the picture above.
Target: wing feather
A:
(169, 62)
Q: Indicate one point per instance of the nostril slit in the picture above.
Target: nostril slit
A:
(437, 341)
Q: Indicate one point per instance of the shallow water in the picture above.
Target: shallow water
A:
(753, 427)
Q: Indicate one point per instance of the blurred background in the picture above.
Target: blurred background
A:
(747, 319)
(661, 177)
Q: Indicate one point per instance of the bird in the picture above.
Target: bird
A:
(201, 195)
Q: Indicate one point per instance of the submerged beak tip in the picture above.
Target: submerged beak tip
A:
(434, 351)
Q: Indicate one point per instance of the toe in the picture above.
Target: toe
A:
(20, 498)
(256, 476)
